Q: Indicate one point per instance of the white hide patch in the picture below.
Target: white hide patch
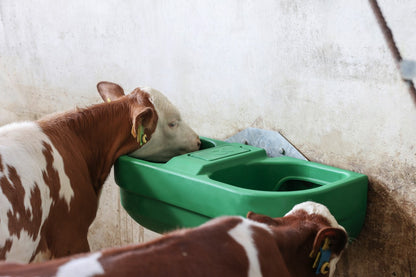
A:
(22, 248)
(81, 267)
(316, 208)
(333, 265)
(242, 233)
(21, 147)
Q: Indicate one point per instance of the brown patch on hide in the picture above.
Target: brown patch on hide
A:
(1, 165)
(21, 218)
(6, 248)
(8, 243)
(51, 179)
(59, 207)
(51, 175)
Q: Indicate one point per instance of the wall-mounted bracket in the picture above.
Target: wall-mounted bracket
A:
(273, 142)
(408, 69)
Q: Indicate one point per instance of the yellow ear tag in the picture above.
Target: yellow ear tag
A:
(325, 268)
(326, 244)
(321, 262)
(315, 263)
(142, 137)
(108, 100)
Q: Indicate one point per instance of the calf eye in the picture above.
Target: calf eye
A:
(172, 124)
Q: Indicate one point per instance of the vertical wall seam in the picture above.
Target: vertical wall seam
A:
(388, 36)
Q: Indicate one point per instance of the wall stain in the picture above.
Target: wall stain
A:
(386, 244)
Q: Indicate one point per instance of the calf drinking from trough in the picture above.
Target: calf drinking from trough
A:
(52, 170)
(290, 246)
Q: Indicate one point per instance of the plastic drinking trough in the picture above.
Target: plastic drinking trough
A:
(231, 179)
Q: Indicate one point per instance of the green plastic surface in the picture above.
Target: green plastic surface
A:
(232, 179)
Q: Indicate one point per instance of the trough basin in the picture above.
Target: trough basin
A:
(231, 179)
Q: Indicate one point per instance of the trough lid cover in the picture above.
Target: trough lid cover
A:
(219, 152)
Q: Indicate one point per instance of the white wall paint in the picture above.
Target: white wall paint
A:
(318, 71)
(401, 17)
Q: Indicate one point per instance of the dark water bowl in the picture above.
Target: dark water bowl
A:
(294, 176)
(205, 144)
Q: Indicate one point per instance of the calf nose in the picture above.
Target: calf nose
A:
(198, 142)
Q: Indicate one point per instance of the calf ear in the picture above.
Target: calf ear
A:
(109, 91)
(144, 124)
(337, 239)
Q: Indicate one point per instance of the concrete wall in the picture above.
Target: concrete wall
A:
(317, 71)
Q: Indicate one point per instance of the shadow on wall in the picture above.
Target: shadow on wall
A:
(7, 116)
(387, 242)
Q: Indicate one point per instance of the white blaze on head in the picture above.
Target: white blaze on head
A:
(172, 136)
(316, 208)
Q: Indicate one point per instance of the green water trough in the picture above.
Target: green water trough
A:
(231, 179)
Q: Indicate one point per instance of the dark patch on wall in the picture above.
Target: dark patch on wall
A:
(387, 242)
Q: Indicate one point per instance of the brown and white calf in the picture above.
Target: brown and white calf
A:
(52, 170)
(226, 246)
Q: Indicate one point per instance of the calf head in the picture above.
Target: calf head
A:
(309, 237)
(143, 116)
(172, 136)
